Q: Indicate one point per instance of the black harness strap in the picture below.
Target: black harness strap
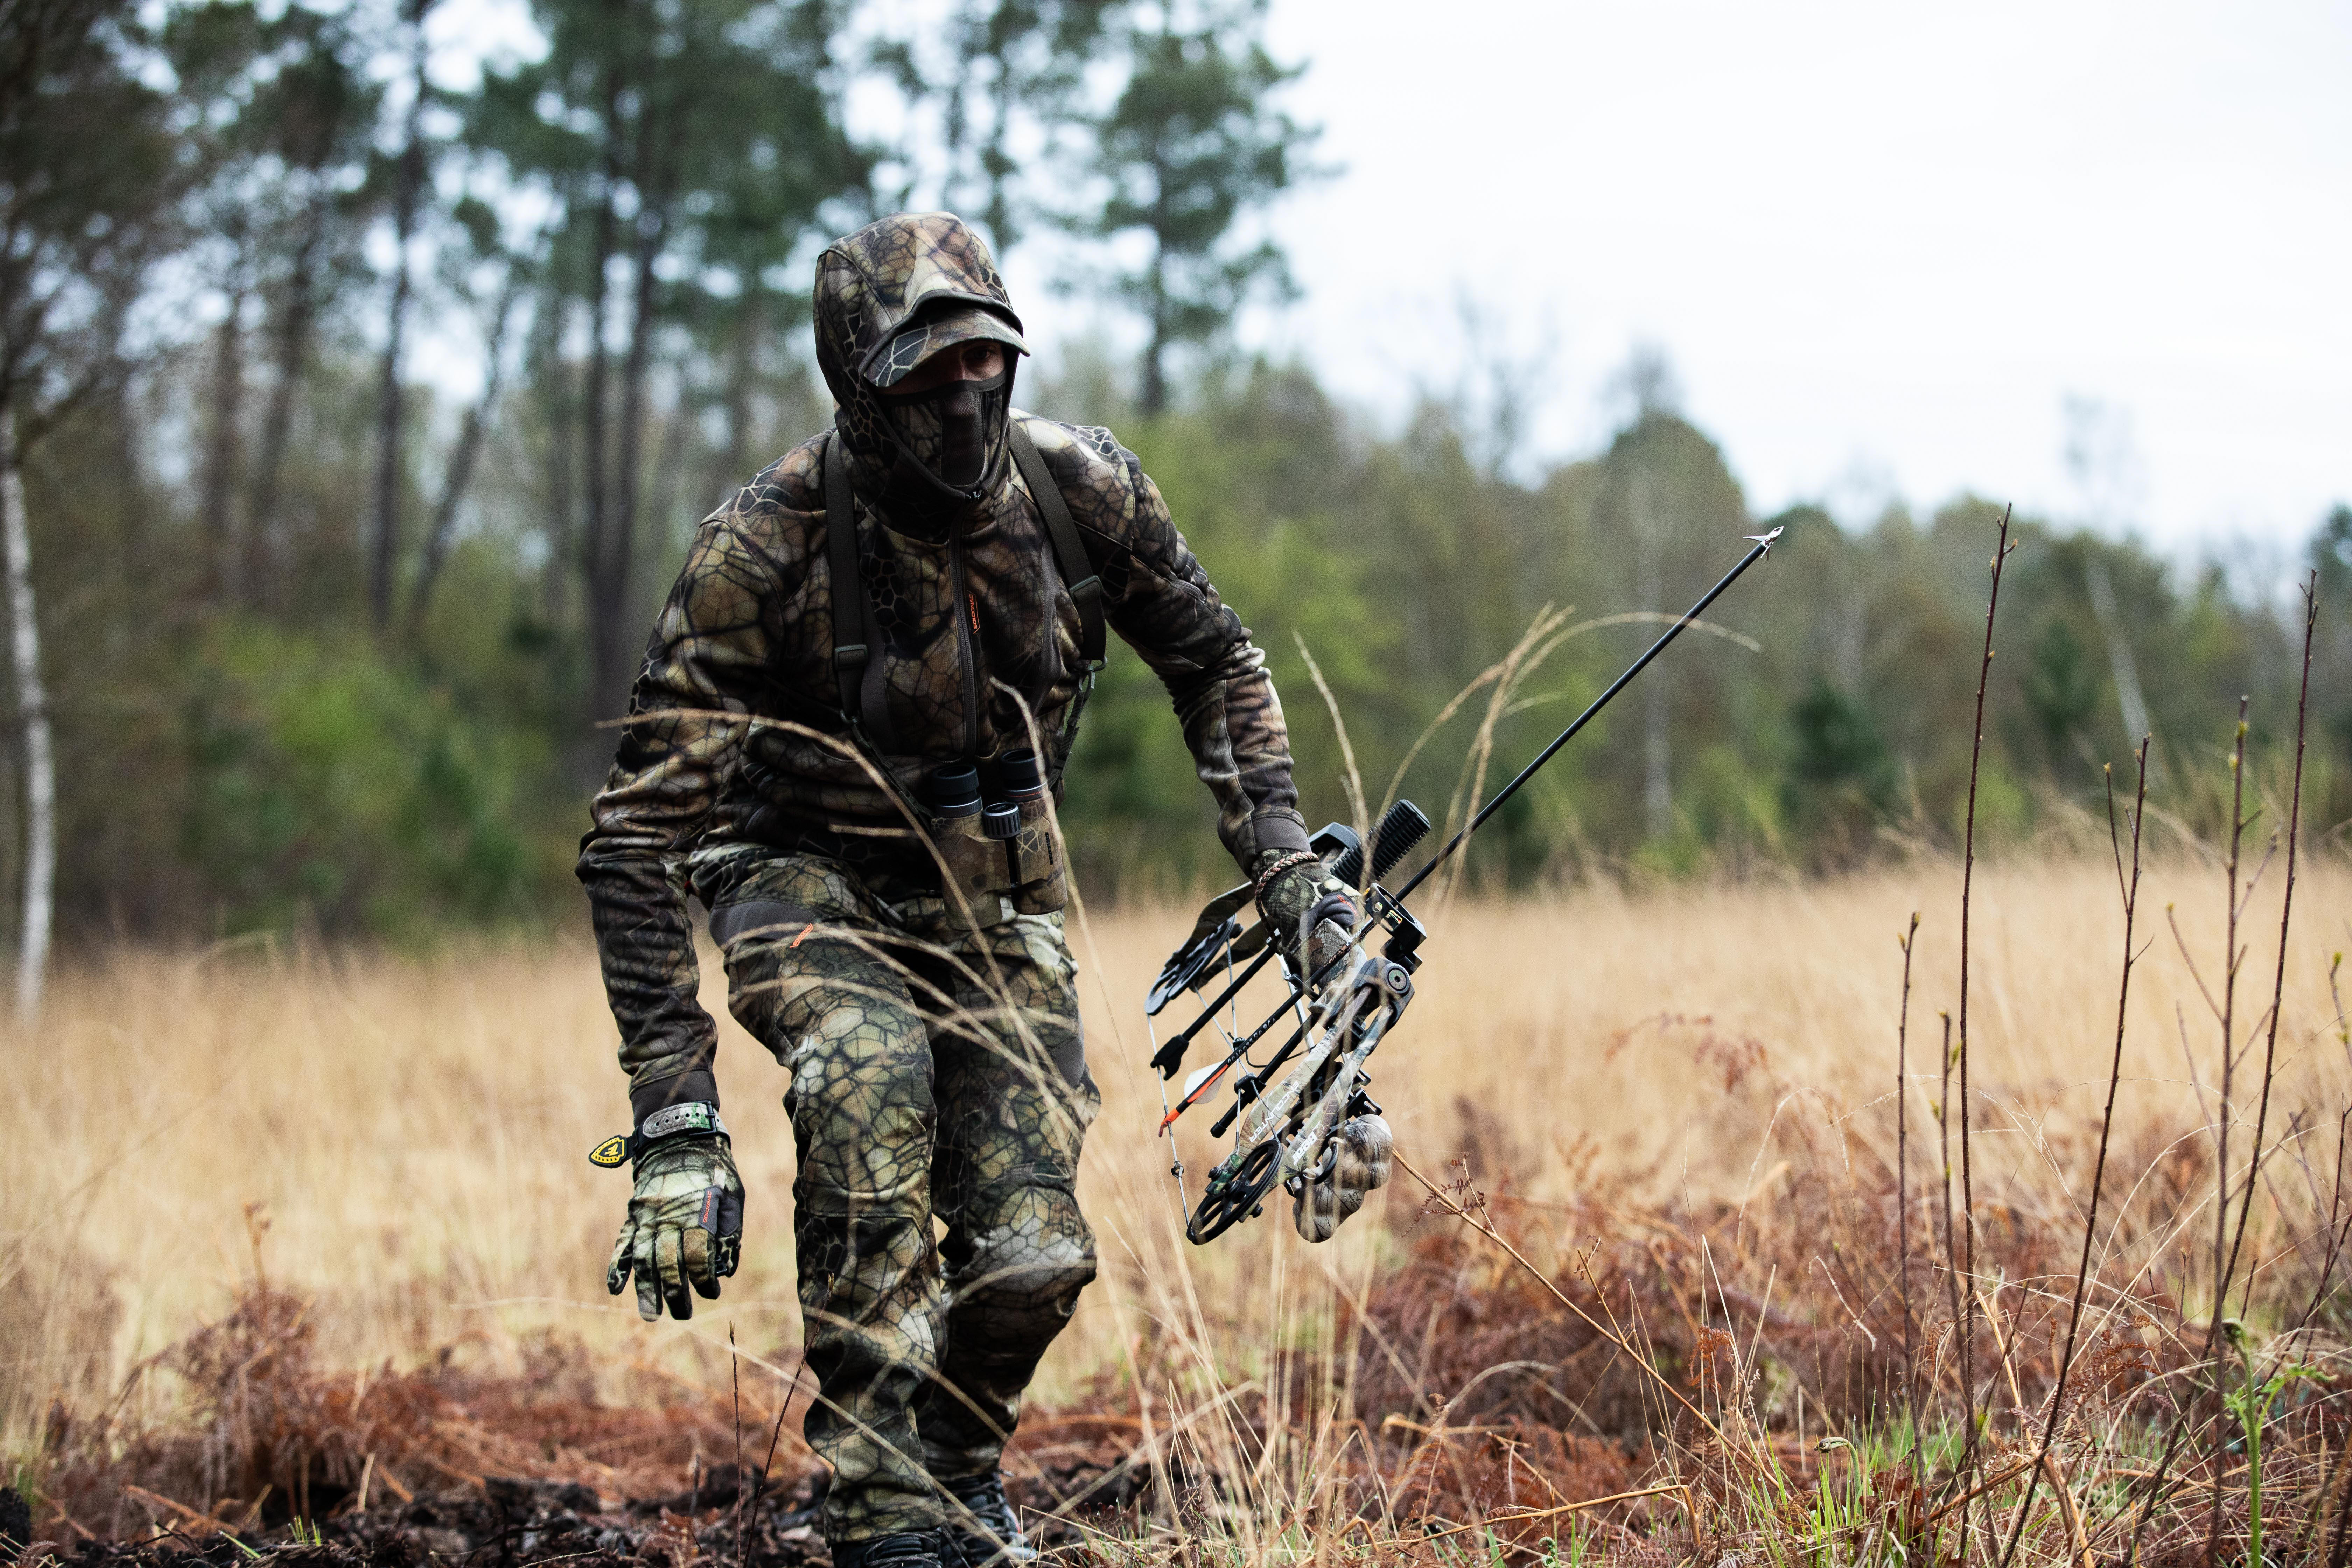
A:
(857, 638)
(1069, 551)
(849, 656)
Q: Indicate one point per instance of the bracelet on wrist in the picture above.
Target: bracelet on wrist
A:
(1295, 858)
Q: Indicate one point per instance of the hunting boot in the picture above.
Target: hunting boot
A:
(907, 1549)
(983, 1494)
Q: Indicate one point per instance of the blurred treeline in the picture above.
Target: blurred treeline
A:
(363, 419)
(1831, 725)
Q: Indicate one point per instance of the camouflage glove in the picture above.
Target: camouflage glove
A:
(685, 1224)
(1359, 1167)
(1292, 887)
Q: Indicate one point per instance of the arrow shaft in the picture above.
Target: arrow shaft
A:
(1565, 736)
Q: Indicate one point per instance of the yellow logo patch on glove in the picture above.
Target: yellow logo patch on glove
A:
(612, 1152)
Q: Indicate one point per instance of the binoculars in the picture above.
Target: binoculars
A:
(1000, 853)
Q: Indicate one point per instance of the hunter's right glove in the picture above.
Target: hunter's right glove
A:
(685, 1224)
(1361, 1149)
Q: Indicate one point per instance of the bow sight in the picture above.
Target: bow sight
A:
(1343, 1010)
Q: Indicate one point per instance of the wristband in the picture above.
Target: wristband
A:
(690, 1117)
(1296, 858)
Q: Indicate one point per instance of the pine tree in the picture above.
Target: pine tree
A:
(1194, 145)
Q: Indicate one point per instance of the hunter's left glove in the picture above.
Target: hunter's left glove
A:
(1311, 911)
(1362, 1150)
(685, 1224)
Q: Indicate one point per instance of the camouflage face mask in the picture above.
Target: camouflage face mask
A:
(954, 431)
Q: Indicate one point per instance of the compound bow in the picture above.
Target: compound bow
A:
(1343, 1010)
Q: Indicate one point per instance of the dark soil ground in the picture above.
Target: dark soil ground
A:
(722, 1517)
(1692, 1430)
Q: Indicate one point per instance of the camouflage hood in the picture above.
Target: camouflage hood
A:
(887, 298)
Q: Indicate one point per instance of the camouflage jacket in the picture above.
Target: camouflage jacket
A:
(975, 626)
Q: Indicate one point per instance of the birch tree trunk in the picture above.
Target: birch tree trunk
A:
(2128, 696)
(33, 718)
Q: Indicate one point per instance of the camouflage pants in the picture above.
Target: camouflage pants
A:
(936, 1072)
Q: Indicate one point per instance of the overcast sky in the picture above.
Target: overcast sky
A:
(1883, 245)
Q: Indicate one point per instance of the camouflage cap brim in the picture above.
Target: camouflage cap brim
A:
(896, 357)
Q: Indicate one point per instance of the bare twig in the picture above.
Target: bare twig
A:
(2213, 1343)
(2337, 1554)
(2001, 548)
(1991, 1483)
(2224, 1010)
(2068, 1511)
(735, 1371)
(1944, 1159)
(2286, 914)
(760, 1488)
(2099, 1170)
(1486, 1228)
(2336, 1232)
(1903, 1194)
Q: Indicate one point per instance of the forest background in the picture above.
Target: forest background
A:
(305, 642)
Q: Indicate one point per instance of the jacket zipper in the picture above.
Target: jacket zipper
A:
(964, 605)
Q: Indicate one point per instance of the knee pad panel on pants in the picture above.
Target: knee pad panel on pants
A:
(1023, 1252)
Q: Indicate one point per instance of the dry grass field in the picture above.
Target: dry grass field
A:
(396, 1148)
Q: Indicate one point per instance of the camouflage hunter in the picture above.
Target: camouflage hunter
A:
(936, 1063)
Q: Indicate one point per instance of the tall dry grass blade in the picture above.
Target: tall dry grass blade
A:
(1690, 617)
(1467, 802)
(1493, 672)
(1351, 781)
